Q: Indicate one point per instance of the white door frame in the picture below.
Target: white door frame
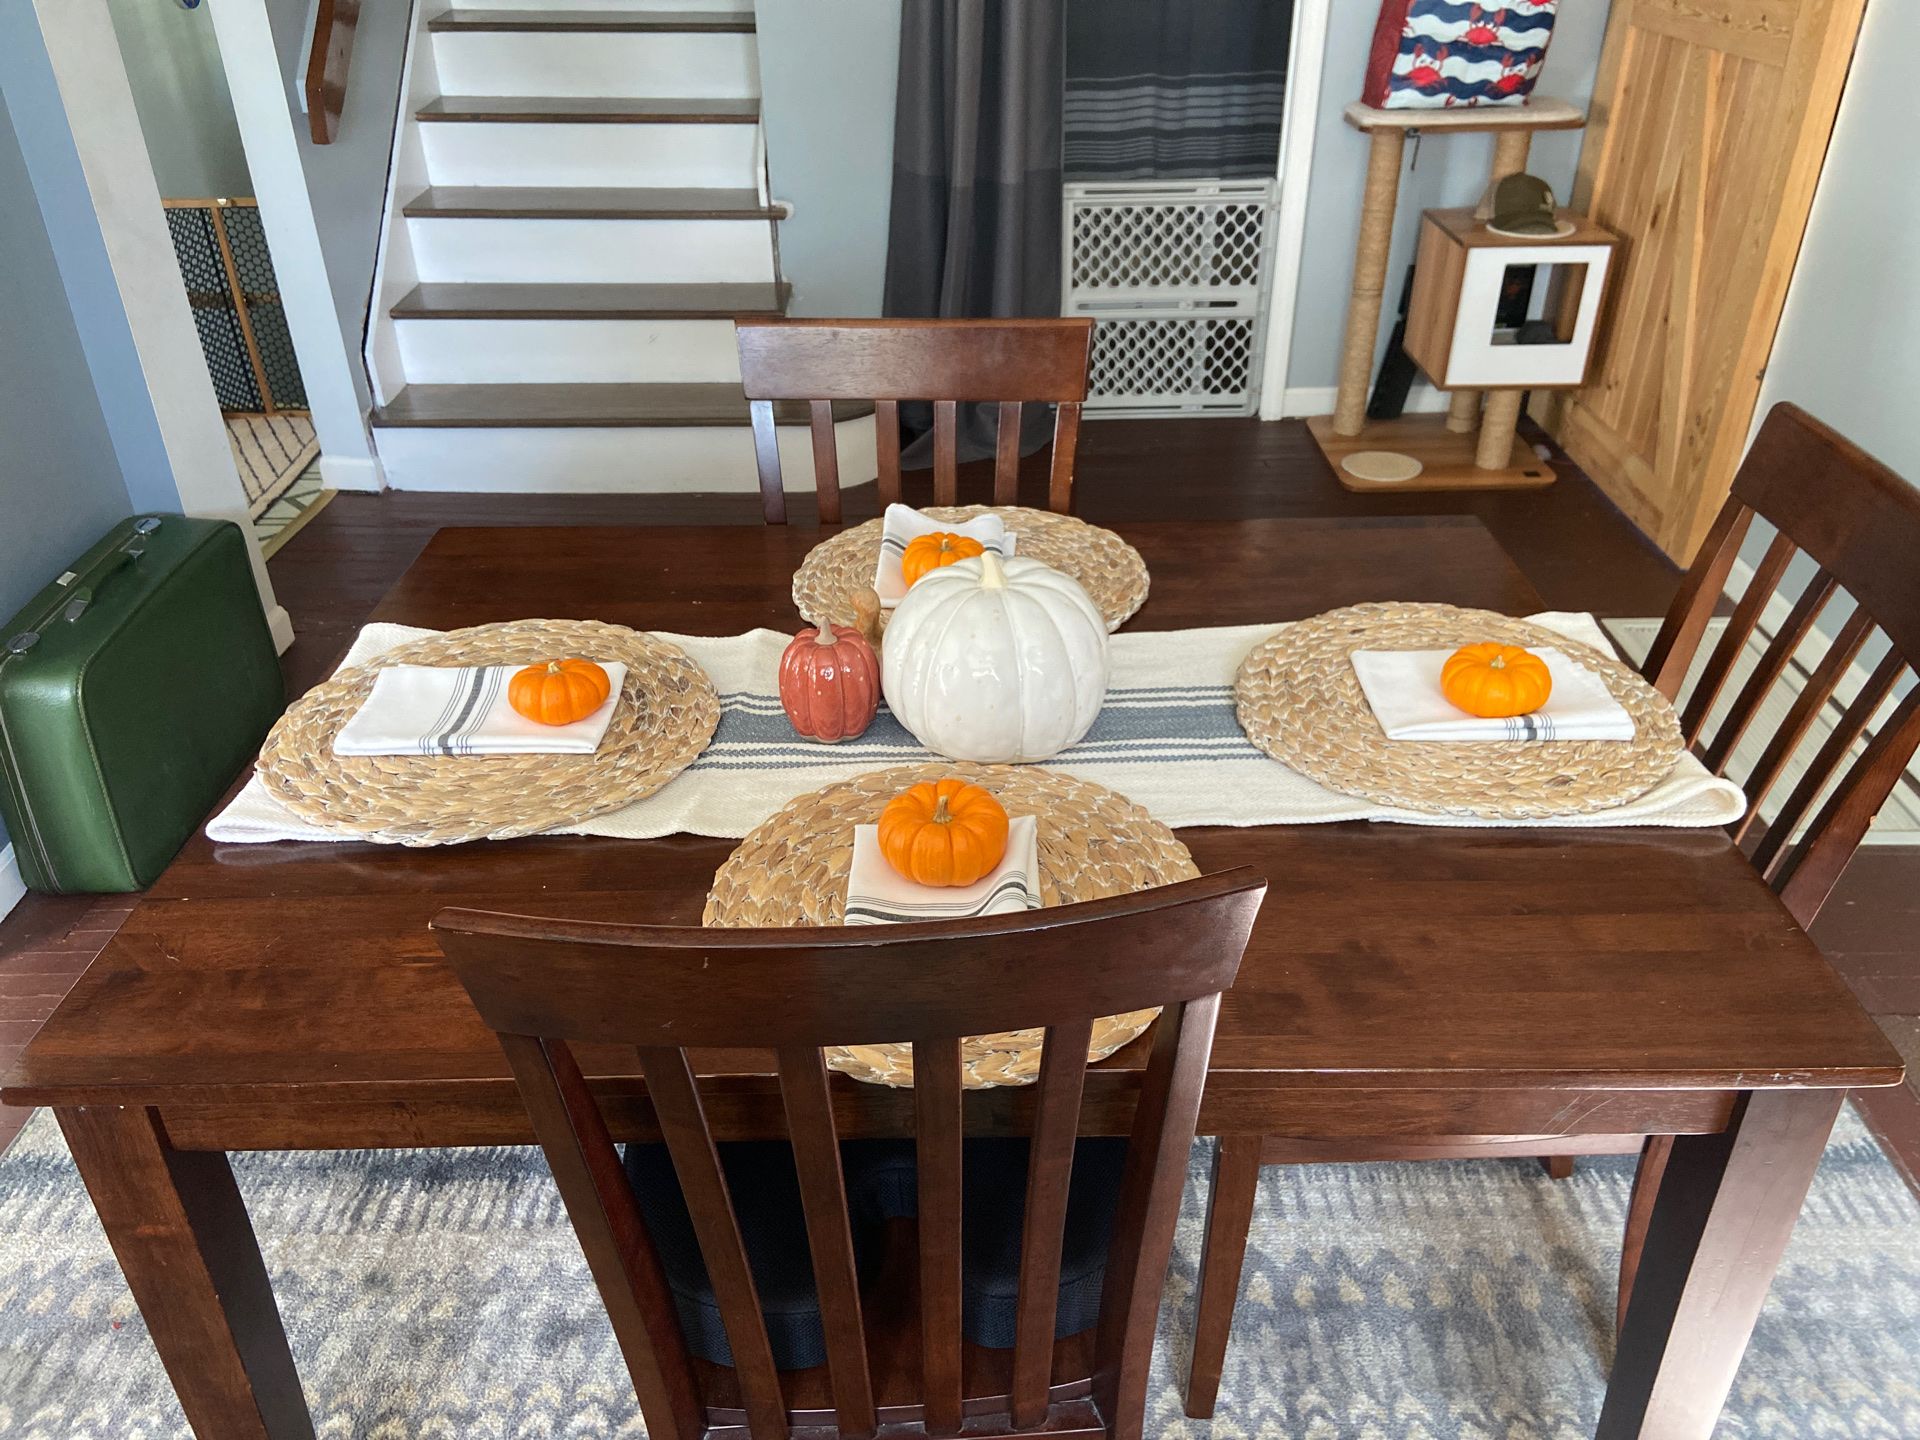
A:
(84, 57)
(1306, 57)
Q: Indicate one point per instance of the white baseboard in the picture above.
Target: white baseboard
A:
(280, 625)
(12, 887)
(349, 472)
(1303, 400)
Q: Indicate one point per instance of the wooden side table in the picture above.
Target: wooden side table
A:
(1451, 454)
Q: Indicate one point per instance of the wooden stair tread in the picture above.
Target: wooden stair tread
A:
(617, 21)
(592, 110)
(585, 202)
(473, 301)
(520, 406)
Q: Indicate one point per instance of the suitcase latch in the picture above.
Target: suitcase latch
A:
(23, 642)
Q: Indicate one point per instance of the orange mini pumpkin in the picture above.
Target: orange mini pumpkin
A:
(932, 552)
(1495, 681)
(943, 832)
(559, 692)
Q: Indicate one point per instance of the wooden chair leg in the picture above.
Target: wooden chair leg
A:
(1646, 1185)
(1230, 1199)
(1560, 1167)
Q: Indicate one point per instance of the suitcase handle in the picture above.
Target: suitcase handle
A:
(84, 596)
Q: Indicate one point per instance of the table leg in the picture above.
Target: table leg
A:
(1724, 1210)
(1230, 1200)
(180, 1230)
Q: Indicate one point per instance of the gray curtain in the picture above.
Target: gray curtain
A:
(975, 224)
(1175, 89)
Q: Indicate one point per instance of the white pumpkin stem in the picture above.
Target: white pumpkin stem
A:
(992, 576)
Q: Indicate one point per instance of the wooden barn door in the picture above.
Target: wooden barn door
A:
(1709, 123)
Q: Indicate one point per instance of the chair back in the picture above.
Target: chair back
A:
(545, 985)
(1858, 525)
(1014, 362)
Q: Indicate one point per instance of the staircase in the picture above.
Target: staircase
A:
(577, 212)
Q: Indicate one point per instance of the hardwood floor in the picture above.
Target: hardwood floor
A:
(1579, 552)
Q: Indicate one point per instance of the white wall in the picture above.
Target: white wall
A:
(186, 115)
(1441, 171)
(827, 79)
(1848, 347)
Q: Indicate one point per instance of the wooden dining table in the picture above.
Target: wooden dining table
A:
(1544, 985)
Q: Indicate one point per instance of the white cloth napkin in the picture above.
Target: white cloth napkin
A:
(903, 523)
(446, 710)
(1403, 687)
(878, 894)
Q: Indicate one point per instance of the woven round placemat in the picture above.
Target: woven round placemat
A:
(792, 870)
(668, 710)
(1299, 700)
(1108, 569)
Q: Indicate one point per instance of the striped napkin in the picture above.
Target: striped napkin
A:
(904, 524)
(878, 894)
(444, 710)
(1403, 687)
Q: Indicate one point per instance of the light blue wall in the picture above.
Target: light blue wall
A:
(1442, 170)
(827, 79)
(91, 293)
(60, 484)
(186, 115)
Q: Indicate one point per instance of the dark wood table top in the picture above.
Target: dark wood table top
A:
(1388, 956)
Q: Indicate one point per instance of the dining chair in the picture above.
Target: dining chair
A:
(894, 1357)
(947, 362)
(1857, 524)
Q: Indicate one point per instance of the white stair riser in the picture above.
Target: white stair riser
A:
(724, 7)
(486, 153)
(582, 352)
(562, 461)
(658, 65)
(591, 251)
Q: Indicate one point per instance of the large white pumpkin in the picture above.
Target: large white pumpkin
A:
(995, 660)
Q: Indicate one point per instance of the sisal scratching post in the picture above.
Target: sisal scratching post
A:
(1510, 150)
(1463, 411)
(1369, 279)
(1497, 425)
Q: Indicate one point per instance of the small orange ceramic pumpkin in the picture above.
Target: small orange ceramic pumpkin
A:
(943, 832)
(829, 682)
(559, 692)
(932, 552)
(1496, 681)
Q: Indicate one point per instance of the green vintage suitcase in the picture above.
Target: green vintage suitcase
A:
(132, 691)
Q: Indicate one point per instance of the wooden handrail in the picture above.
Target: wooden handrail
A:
(334, 22)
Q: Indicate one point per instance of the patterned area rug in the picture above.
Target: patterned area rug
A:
(305, 498)
(270, 451)
(443, 1294)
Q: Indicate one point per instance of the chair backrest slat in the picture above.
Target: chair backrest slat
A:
(886, 436)
(1859, 523)
(937, 1156)
(1733, 641)
(1063, 1073)
(826, 461)
(614, 1237)
(947, 362)
(1776, 847)
(823, 1194)
(766, 459)
(545, 984)
(1811, 700)
(1809, 874)
(1163, 1125)
(683, 1124)
(946, 441)
(1066, 443)
(1006, 454)
(1766, 673)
